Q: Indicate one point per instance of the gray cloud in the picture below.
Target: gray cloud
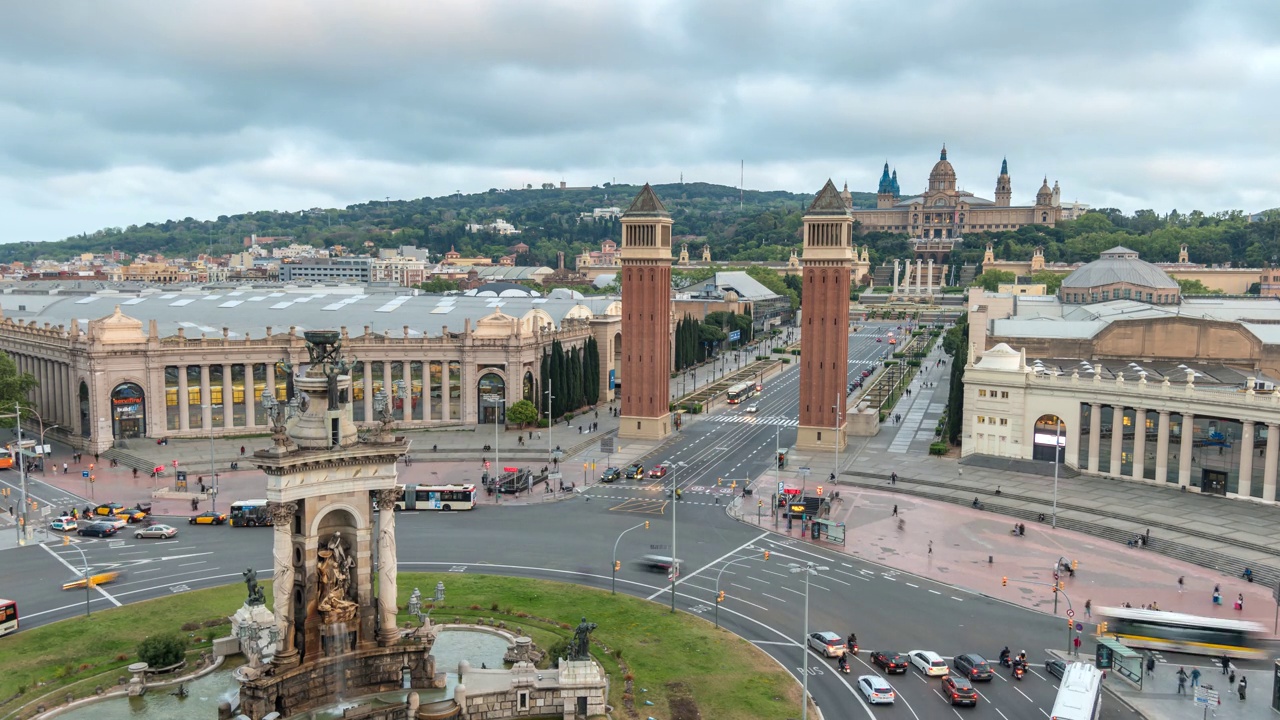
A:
(131, 111)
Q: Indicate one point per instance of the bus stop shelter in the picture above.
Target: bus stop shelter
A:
(832, 532)
(1127, 663)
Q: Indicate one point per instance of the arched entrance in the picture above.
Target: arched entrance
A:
(491, 399)
(128, 411)
(528, 387)
(1049, 432)
(615, 382)
(86, 427)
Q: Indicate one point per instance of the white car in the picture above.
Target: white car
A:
(828, 644)
(156, 531)
(929, 662)
(112, 520)
(875, 689)
(65, 523)
(753, 408)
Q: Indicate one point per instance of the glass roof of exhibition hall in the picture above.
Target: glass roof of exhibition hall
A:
(1208, 375)
(251, 309)
(1047, 317)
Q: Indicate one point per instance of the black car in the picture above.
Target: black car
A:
(98, 529)
(959, 691)
(972, 666)
(611, 474)
(890, 661)
(1055, 667)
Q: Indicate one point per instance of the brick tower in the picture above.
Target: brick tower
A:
(646, 318)
(824, 336)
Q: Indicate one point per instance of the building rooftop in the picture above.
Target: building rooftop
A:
(1119, 265)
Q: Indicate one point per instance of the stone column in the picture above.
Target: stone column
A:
(426, 391)
(206, 399)
(919, 273)
(271, 381)
(388, 591)
(929, 283)
(1184, 450)
(1162, 448)
(250, 387)
(1269, 468)
(1117, 438)
(406, 373)
(282, 515)
(446, 400)
(386, 382)
(1095, 435)
(1139, 443)
(228, 398)
(184, 400)
(368, 391)
(1245, 484)
(895, 276)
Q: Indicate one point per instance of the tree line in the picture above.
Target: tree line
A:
(573, 376)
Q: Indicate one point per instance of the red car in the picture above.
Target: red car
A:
(890, 661)
(658, 471)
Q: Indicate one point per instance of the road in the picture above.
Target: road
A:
(764, 601)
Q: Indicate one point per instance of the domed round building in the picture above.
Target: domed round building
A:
(1119, 274)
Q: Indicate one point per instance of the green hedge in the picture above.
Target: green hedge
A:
(913, 363)
(795, 353)
(762, 357)
(780, 351)
(786, 361)
(938, 448)
(888, 363)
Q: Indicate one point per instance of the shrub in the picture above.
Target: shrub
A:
(913, 363)
(938, 448)
(560, 649)
(161, 651)
(795, 352)
(888, 363)
(899, 354)
(786, 361)
(542, 422)
(762, 357)
(780, 351)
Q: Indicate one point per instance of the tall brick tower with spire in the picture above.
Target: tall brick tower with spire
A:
(824, 338)
(646, 318)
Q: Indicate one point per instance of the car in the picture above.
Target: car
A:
(759, 387)
(611, 474)
(65, 523)
(875, 689)
(97, 529)
(889, 661)
(879, 340)
(114, 521)
(94, 580)
(156, 531)
(827, 643)
(635, 471)
(857, 384)
(658, 563)
(866, 373)
(659, 470)
(972, 666)
(928, 662)
(959, 691)
(1055, 667)
(132, 515)
(208, 517)
(753, 408)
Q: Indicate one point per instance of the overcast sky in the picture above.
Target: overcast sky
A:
(130, 111)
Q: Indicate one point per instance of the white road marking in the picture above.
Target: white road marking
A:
(794, 591)
(935, 592)
(911, 585)
(774, 597)
(718, 560)
(78, 573)
(953, 597)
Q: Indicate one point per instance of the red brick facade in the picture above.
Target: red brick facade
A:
(824, 343)
(646, 339)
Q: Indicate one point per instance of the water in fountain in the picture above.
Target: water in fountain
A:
(337, 644)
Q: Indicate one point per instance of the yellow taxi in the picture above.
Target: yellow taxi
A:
(208, 517)
(131, 515)
(94, 580)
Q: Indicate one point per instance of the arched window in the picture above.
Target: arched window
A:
(491, 399)
(128, 411)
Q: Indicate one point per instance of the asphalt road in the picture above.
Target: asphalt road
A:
(573, 541)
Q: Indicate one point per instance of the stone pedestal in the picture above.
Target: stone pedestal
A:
(863, 421)
(138, 683)
(579, 680)
(255, 627)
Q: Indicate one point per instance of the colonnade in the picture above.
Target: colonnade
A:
(917, 281)
(56, 398)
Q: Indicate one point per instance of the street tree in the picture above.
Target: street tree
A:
(523, 413)
(14, 389)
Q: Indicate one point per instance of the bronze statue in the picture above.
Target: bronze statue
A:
(335, 582)
(256, 596)
(580, 649)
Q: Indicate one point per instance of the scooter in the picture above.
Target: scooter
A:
(844, 666)
(1018, 671)
(1006, 662)
(853, 649)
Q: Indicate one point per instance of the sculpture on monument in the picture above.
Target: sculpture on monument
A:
(335, 582)
(256, 596)
(580, 649)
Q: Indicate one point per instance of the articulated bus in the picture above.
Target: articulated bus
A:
(1159, 630)
(741, 391)
(250, 513)
(8, 617)
(1079, 694)
(437, 497)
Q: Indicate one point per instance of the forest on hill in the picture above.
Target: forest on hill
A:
(756, 226)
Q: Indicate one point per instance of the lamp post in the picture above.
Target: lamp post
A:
(835, 437)
(213, 475)
(809, 569)
(675, 562)
(1057, 450)
(718, 575)
(22, 473)
(88, 581)
(613, 583)
(550, 397)
(498, 407)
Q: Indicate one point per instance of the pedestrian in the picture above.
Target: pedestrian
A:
(1076, 642)
(930, 547)
(1088, 608)
(64, 468)
(1180, 583)
(1241, 687)
(1240, 601)
(1182, 681)
(1226, 664)
(195, 504)
(893, 478)
(1195, 677)
(895, 511)
(1151, 665)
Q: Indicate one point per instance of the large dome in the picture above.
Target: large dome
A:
(942, 177)
(1119, 274)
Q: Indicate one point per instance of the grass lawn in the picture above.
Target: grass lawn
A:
(681, 662)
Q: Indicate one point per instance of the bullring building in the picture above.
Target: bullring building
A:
(1130, 379)
(117, 362)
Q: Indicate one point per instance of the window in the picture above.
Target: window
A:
(981, 419)
(1004, 394)
(1004, 421)
(1126, 294)
(982, 393)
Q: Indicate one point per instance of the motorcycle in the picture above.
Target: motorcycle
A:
(851, 648)
(844, 666)
(1006, 662)
(1018, 671)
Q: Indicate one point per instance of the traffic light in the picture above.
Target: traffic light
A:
(720, 597)
(1102, 628)
(646, 524)
(93, 478)
(1070, 623)
(819, 491)
(1075, 565)
(1062, 584)
(719, 481)
(1055, 589)
(90, 467)
(766, 554)
(617, 565)
(1004, 581)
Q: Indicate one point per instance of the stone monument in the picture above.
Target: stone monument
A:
(253, 626)
(334, 590)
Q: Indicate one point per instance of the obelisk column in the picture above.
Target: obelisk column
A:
(646, 319)
(282, 515)
(388, 590)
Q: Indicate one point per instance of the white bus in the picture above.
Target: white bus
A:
(437, 497)
(1079, 693)
(1159, 630)
(741, 391)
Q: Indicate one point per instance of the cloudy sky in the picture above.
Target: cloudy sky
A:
(113, 113)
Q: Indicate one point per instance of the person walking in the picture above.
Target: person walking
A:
(1195, 677)
(1181, 581)
(1241, 687)
(64, 468)
(930, 547)
(1226, 664)
(1088, 608)
(1076, 643)
(895, 511)
(1182, 681)
(1240, 601)
(1151, 665)
(893, 478)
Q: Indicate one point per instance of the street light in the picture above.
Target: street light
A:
(675, 562)
(88, 580)
(213, 475)
(808, 569)
(718, 575)
(1057, 450)
(613, 584)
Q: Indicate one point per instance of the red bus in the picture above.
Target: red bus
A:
(8, 617)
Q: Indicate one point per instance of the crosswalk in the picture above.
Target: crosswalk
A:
(755, 420)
